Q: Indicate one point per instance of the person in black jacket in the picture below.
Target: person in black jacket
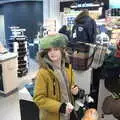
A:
(65, 31)
(84, 29)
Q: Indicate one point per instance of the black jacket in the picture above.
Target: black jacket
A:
(64, 31)
(85, 30)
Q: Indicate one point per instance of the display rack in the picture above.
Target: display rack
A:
(113, 24)
(19, 45)
(70, 15)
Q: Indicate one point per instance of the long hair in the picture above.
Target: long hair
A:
(44, 54)
(85, 12)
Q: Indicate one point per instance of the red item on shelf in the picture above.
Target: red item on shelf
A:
(117, 54)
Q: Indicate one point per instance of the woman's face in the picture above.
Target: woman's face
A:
(54, 54)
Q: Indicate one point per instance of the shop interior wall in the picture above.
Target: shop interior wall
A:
(28, 15)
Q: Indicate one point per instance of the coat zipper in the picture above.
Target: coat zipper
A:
(54, 87)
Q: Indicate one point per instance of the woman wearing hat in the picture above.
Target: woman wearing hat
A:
(54, 86)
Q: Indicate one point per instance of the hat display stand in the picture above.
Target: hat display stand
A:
(19, 44)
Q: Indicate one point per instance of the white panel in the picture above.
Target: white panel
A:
(52, 10)
(46, 9)
(2, 30)
(84, 79)
(10, 79)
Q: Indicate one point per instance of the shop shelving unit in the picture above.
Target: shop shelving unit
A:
(19, 45)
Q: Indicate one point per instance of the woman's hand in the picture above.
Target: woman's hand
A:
(69, 108)
(74, 89)
(66, 108)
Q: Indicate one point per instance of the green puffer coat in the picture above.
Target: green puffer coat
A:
(47, 93)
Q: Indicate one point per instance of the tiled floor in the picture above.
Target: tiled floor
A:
(9, 106)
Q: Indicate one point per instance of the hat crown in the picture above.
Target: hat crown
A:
(50, 41)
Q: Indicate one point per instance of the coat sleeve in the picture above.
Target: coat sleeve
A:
(93, 31)
(40, 95)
